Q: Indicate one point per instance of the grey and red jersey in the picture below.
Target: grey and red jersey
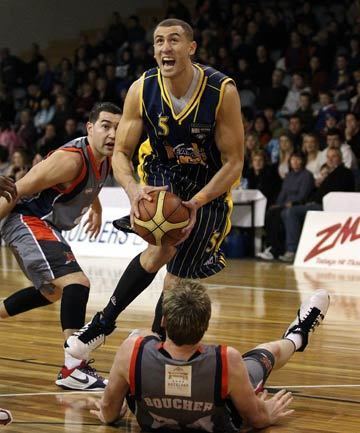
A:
(64, 208)
(170, 394)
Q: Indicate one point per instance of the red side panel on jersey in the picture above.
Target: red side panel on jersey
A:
(40, 229)
(132, 369)
(224, 372)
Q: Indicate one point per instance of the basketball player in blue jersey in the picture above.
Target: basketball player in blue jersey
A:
(194, 148)
(51, 197)
(183, 384)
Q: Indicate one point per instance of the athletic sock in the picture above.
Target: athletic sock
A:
(73, 306)
(25, 300)
(70, 362)
(296, 339)
(133, 281)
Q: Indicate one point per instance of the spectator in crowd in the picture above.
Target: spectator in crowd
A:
(44, 115)
(318, 78)
(71, 130)
(292, 101)
(263, 67)
(49, 141)
(295, 131)
(311, 149)
(296, 54)
(263, 176)
(305, 111)
(261, 129)
(251, 143)
(274, 95)
(339, 178)
(44, 77)
(352, 133)
(355, 100)
(33, 98)
(62, 112)
(286, 149)
(9, 138)
(19, 165)
(334, 140)
(275, 125)
(296, 188)
(26, 131)
(327, 106)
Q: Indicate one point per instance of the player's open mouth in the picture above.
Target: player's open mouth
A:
(168, 62)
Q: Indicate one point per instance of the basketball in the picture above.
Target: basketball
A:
(161, 220)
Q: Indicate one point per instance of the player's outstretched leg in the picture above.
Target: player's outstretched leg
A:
(310, 314)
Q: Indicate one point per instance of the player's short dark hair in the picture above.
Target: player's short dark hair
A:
(109, 107)
(169, 22)
(187, 311)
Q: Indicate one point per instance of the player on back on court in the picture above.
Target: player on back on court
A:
(185, 385)
(51, 197)
(191, 114)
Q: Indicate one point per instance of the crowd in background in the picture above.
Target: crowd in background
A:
(297, 68)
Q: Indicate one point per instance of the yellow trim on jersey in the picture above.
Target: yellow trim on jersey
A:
(222, 90)
(229, 201)
(195, 98)
(141, 99)
(145, 150)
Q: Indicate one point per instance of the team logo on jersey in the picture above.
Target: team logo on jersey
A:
(190, 154)
(200, 132)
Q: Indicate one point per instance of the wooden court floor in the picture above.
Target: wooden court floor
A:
(253, 302)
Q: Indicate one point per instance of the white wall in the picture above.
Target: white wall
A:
(25, 21)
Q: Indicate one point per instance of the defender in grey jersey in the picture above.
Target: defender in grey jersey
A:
(184, 385)
(53, 196)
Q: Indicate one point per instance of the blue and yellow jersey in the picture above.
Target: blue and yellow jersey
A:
(182, 143)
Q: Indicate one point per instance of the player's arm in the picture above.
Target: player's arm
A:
(59, 168)
(253, 409)
(229, 138)
(128, 135)
(111, 403)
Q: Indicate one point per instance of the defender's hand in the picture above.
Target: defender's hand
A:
(93, 223)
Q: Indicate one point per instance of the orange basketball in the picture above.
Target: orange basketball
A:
(162, 220)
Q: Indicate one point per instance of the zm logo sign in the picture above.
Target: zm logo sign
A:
(334, 235)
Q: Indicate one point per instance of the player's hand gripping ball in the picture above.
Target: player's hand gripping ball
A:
(161, 220)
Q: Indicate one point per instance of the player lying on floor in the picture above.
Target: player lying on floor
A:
(182, 383)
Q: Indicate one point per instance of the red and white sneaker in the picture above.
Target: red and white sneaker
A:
(81, 378)
(310, 315)
(5, 417)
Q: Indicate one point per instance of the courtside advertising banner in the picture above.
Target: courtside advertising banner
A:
(110, 242)
(330, 240)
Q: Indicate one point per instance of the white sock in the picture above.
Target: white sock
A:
(296, 339)
(71, 362)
